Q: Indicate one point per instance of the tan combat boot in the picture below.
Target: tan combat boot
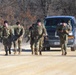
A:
(15, 52)
(36, 51)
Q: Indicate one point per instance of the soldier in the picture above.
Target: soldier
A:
(39, 34)
(7, 36)
(18, 36)
(63, 29)
(31, 38)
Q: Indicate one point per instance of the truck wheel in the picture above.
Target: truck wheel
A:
(48, 48)
(43, 49)
(72, 48)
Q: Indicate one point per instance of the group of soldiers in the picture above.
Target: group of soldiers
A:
(14, 35)
(37, 32)
(11, 35)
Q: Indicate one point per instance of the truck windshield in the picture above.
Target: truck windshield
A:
(53, 22)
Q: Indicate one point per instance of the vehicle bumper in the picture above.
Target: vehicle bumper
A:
(56, 43)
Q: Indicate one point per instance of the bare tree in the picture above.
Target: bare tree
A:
(28, 11)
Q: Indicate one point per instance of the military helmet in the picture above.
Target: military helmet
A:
(5, 21)
(38, 20)
(17, 23)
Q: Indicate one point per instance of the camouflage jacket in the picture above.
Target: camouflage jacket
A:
(6, 32)
(62, 30)
(18, 31)
(36, 31)
(39, 30)
(1, 31)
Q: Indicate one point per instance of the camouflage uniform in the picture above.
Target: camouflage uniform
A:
(7, 36)
(38, 36)
(18, 36)
(1, 27)
(31, 38)
(63, 34)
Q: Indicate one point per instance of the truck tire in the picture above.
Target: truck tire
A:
(48, 48)
(72, 48)
(43, 49)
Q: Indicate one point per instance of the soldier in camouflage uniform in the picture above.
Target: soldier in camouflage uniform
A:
(63, 29)
(31, 38)
(39, 34)
(7, 36)
(18, 36)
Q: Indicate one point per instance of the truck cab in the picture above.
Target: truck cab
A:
(51, 23)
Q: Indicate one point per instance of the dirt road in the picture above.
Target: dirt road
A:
(50, 63)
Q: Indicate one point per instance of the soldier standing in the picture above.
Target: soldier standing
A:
(18, 36)
(39, 34)
(31, 38)
(63, 30)
(7, 36)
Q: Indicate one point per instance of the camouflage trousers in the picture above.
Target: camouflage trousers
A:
(32, 45)
(17, 43)
(63, 43)
(7, 45)
(38, 45)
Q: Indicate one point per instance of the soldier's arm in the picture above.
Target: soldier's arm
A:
(69, 27)
(28, 35)
(11, 31)
(1, 28)
(44, 30)
(0, 31)
(23, 31)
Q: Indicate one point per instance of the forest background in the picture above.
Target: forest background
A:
(28, 11)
